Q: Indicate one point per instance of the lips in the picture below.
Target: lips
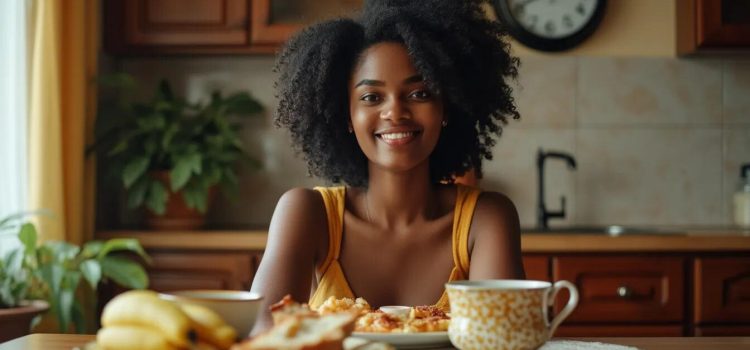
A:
(398, 136)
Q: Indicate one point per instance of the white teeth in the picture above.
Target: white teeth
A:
(397, 135)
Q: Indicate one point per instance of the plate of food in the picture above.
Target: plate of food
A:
(404, 327)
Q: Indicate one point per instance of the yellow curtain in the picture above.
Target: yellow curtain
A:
(62, 97)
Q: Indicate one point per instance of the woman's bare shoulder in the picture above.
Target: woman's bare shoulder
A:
(300, 216)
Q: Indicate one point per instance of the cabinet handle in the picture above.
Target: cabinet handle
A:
(624, 292)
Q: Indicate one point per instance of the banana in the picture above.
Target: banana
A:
(145, 309)
(210, 327)
(132, 338)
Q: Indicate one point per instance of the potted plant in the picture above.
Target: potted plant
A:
(53, 275)
(170, 154)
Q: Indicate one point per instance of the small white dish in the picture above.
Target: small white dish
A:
(396, 310)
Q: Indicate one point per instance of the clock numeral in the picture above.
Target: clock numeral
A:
(549, 27)
(567, 21)
(580, 9)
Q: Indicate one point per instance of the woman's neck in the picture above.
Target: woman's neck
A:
(398, 200)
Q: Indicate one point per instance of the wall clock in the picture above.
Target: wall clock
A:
(550, 25)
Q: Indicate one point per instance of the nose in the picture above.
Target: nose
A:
(395, 111)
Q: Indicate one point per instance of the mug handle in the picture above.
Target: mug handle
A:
(549, 300)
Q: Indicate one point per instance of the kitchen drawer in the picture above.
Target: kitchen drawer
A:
(723, 331)
(619, 331)
(536, 267)
(626, 289)
(722, 290)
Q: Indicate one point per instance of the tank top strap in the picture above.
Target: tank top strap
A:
(333, 198)
(466, 201)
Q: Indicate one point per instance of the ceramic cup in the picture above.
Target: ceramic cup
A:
(505, 314)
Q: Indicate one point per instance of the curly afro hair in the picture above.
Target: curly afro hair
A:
(461, 55)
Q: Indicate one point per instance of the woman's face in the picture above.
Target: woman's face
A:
(396, 119)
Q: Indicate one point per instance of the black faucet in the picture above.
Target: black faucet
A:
(542, 214)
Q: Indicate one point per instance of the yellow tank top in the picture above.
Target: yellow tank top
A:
(333, 281)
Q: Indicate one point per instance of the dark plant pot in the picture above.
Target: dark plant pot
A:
(16, 322)
(177, 215)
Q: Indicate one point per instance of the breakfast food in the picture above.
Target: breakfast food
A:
(140, 319)
(144, 309)
(426, 318)
(304, 332)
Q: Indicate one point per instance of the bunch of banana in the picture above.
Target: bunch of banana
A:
(141, 320)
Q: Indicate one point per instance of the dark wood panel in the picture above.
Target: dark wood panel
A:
(723, 331)
(628, 289)
(722, 290)
(714, 30)
(200, 270)
(537, 267)
(620, 331)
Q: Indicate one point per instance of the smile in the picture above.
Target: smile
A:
(398, 138)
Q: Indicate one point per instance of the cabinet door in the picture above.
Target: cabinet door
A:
(619, 331)
(722, 23)
(536, 267)
(627, 289)
(200, 270)
(149, 25)
(275, 21)
(722, 290)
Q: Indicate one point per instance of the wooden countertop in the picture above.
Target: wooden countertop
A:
(75, 341)
(689, 241)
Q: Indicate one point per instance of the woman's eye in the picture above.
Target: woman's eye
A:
(421, 94)
(370, 98)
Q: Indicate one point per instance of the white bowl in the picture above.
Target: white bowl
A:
(238, 308)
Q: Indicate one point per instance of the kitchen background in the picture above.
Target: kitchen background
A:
(658, 136)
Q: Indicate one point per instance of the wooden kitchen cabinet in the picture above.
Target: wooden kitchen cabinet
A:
(713, 25)
(134, 27)
(623, 295)
(722, 295)
(537, 267)
(180, 270)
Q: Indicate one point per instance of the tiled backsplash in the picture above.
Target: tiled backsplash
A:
(658, 141)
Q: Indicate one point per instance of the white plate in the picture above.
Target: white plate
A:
(426, 340)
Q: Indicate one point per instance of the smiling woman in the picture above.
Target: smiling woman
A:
(392, 106)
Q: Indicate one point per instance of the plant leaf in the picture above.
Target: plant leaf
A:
(180, 174)
(79, 320)
(28, 236)
(66, 299)
(120, 244)
(91, 249)
(52, 275)
(91, 271)
(134, 169)
(124, 272)
(156, 200)
(137, 193)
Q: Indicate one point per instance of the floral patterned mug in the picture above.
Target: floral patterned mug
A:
(505, 314)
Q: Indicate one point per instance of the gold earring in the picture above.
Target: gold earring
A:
(351, 130)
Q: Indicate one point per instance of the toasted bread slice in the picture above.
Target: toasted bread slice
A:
(304, 333)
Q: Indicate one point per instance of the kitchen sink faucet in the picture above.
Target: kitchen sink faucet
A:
(542, 214)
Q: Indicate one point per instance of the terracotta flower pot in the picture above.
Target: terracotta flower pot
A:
(16, 322)
(177, 215)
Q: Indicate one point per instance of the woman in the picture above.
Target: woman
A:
(396, 105)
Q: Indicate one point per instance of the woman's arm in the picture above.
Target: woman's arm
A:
(495, 244)
(298, 230)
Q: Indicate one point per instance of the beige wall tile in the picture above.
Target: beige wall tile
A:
(544, 94)
(513, 171)
(649, 176)
(736, 153)
(737, 91)
(648, 91)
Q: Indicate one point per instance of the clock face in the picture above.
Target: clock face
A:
(552, 18)
(550, 25)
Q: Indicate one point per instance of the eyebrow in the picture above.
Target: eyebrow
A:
(410, 80)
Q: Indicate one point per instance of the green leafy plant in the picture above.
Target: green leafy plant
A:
(197, 144)
(53, 271)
